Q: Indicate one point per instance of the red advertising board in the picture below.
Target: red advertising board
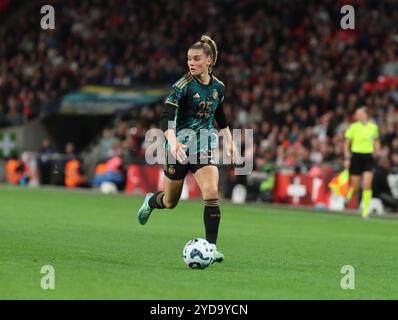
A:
(142, 179)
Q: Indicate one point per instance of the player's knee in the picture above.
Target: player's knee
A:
(354, 186)
(169, 204)
(367, 187)
(210, 192)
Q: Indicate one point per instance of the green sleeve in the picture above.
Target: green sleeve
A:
(175, 96)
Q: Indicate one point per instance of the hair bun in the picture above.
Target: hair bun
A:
(205, 39)
(210, 47)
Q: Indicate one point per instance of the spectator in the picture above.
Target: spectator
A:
(70, 150)
(59, 165)
(111, 171)
(293, 80)
(14, 170)
(121, 130)
(380, 186)
(106, 143)
(13, 117)
(74, 174)
(116, 149)
(44, 163)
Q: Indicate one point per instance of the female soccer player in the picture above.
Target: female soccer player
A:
(362, 140)
(194, 102)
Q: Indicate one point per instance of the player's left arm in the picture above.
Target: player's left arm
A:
(221, 119)
(348, 135)
(377, 144)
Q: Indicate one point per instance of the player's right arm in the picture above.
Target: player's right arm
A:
(177, 149)
(347, 145)
(166, 119)
(377, 145)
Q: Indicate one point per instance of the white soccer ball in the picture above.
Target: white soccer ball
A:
(108, 188)
(198, 253)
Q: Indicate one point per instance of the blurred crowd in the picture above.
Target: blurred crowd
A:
(291, 73)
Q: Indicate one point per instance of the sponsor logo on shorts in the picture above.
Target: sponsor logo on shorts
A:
(171, 170)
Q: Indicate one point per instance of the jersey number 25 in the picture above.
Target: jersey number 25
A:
(204, 109)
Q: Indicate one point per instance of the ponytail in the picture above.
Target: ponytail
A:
(210, 48)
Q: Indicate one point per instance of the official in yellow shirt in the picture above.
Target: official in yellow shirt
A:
(361, 144)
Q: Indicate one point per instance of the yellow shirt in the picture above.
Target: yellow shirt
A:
(362, 136)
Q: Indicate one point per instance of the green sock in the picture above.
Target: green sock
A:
(366, 197)
(349, 193)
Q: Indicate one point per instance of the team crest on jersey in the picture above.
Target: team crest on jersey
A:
(197, 96)
(171, 170)
(215, 94)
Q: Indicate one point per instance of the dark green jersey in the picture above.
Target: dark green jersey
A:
(196, 104)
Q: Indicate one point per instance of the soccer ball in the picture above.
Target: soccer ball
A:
(108, 188)
(197, 253)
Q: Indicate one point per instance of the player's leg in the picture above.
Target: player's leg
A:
(368, 166)
(354, 186)
(168, 198)
(367, 192)
(355, 170)
(207, 178)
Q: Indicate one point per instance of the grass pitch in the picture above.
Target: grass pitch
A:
(99, 251)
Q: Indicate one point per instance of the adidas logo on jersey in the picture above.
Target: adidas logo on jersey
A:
(197, 96)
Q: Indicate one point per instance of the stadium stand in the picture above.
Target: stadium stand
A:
(291, 73)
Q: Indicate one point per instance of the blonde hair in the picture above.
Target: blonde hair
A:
(365, 109)
(209, 47)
